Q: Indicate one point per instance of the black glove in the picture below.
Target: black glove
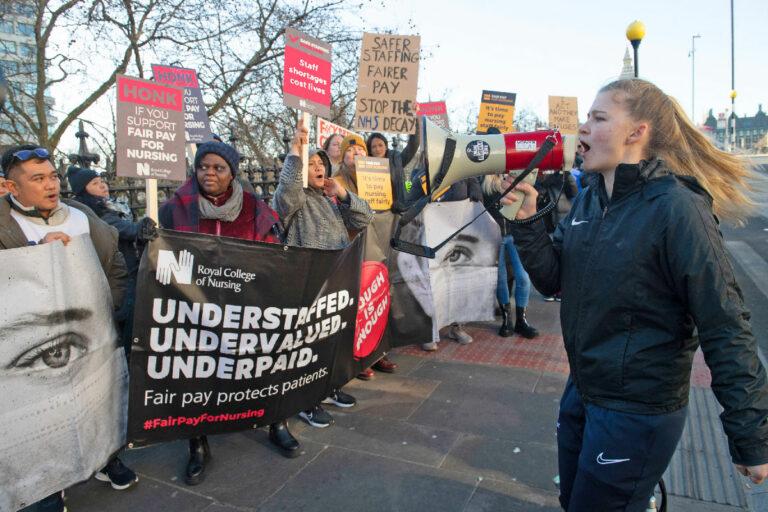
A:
(147, 230)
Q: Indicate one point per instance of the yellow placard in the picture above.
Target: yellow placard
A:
(497, 109)
(373, 182)
(564, 114)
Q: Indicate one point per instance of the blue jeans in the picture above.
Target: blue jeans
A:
(609, 460)
(522, 281)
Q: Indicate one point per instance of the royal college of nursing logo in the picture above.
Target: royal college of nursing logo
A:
(169, 265)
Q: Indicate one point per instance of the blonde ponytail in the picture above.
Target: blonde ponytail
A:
(732, 184)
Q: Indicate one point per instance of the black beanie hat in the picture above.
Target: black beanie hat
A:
(79, 177)
(225, 151)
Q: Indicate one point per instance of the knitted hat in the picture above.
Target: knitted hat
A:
(79, 178)
(352, 140)
(324, 157)
(225, 151)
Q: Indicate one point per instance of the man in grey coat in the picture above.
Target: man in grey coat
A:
(320, 216)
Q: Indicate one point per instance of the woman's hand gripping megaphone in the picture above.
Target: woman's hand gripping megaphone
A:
(529, 198)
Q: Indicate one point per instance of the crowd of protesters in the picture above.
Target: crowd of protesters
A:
(667, 296)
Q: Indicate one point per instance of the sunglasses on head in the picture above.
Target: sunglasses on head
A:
(26, 154)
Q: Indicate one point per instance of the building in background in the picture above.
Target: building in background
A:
(750, 131)
(17, 59)
(627, 68)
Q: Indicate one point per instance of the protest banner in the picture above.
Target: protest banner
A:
(373, 181)
(497, 109)
(325, 129)
(197, 127)
(307, 73)
(225, 344)
(63, 375)
(564, 114)
(150, 130)
(436, 111)
(463, 273)
(387, 83)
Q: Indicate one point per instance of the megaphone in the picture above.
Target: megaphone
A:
(476, 155)
(443, 159)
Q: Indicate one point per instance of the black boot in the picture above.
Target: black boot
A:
(505, 331)
(280, 436)
(199, 454)
(522, 327)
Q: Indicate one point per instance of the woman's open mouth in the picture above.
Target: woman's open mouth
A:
(583, 147)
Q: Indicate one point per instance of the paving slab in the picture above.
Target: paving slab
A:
(371, 483)
(492, 496)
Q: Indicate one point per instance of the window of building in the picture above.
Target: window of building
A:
(26, 50)
(10, 67)
(25, 29)
(6, 26)
(25, 9)
(7, 48)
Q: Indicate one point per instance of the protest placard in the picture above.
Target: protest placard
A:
(196, 124)
(497, 109)
(436, 111)
(150, 130)
(307, 73)
(326, 128)
(564, 114)
(373, 181)
(387, 83)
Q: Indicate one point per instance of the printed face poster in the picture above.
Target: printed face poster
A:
(373, 181)
(387, 83)
(463, 273)
(307, 73)
(226, 343)
(150, 130)
(326, 128)
(564, 114)
(497, 109)
(436, 111)
(63, 376)
(196, 125)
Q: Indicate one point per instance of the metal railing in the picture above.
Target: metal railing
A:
(263, 180)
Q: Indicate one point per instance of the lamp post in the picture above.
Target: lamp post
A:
(693, 75)
(733, 85)
(635, 34)
(732, 119)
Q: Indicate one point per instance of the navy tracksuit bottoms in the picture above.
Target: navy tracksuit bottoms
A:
(609, 460)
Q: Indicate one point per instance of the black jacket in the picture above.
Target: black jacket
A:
(638, 273)
(128, 230)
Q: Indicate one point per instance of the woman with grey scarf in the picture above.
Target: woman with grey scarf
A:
(319, 216)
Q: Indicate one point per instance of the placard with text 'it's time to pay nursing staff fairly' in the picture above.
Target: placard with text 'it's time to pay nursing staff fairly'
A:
(373, 182)
(150, 130)
(307, 73)
(387, 83)
(497, 109)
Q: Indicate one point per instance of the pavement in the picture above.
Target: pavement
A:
(467, 428)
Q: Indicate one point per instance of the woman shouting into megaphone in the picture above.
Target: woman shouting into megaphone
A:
(641, 265)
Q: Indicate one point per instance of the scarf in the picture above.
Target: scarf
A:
(227, 212)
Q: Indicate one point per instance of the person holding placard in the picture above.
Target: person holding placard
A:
(318, 216)
(646, 281)
(351, 147)
(213, 201)
(378, 146)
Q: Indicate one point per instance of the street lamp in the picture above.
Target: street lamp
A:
(692, 55)
(635, 34)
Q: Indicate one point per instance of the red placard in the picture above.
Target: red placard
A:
(307, 73)
(142, 92)
(373, 308)
(434, 110)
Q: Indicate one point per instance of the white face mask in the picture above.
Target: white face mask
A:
(63, 378)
